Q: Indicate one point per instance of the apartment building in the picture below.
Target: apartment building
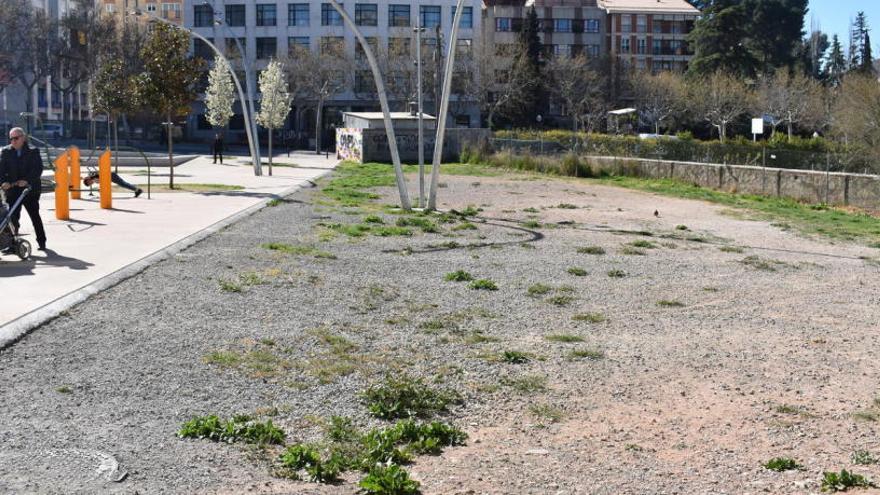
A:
(171, 10)
(268, 29)
(649, 34)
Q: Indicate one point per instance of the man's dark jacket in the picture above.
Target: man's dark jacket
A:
(28, 166)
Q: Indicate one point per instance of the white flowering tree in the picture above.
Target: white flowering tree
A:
(220, 94)
(275, 101)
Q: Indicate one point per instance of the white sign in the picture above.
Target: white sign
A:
(757, 126)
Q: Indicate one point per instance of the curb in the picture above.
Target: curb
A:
(20, 327)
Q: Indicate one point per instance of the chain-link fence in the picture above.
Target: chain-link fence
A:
(686, 150)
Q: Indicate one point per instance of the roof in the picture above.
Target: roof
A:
(648, 7)
(394, 115)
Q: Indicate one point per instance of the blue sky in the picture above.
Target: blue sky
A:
(833, 17)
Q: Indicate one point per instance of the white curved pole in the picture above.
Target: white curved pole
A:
(383, 101)
(444, 107)
(244, 110)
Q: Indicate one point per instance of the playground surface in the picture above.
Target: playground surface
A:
(98, 247)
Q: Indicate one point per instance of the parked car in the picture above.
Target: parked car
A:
(51, 131)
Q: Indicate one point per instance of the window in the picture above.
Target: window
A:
(399, 47)
(462, 120)
(298, 14)
(332, 45)
(592, 50)
(626, 23)
(658, 26)
(624, 45)
(295, 42)
(366, 14)
(267, 14)
(329, 16)
(203, 16)
(151, 7)
(430, 16)
(467, 18)
(235, 15)
(202, 50)
(642, 24)
(641, 46)
(398, 15)
(677, 47)
(266, 47)
(562, 25)
(171, 10)
(363, 82)
(359, 52)
(109, 8)
(464, 47)
(591, 26)
(656, 47)
(545, 25)
(502, 24)
(562, 51)
(232, 47)
(676, 27)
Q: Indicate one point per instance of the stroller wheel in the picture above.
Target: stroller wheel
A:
(23, 249)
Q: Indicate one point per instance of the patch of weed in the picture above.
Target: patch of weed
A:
(731, 249)
(591, 250)
(780, 464)
(374, 219)
(64, 389)
(863, 458)
(681, 227)
(404, 397)
(527, 383)
(564, 338)
(458, 276)
(616, 273)
(539, 290)
(532, 224)
(391, 231)
(530, 210)
(306, 457)
(426, 225)
(274, 202)
(560, 300)
(229, 286)
(843, 481)
(479, 338)
(631, 251)
(483, 284)
(759, 263)
(566, 206)
(577, 272)
(665, 303)
(515, 357)
(389, 480)
(546, 412)
(641, 243)
(592, 354)
(239, 428)
(589, 317)
(464, 226)
(632, 447)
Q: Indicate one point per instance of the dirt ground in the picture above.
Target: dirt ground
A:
(723, 342)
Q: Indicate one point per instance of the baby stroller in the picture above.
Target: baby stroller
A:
(9, 238)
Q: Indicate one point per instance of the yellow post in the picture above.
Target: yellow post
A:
(104, 181)
(62, 202)
(75, 178)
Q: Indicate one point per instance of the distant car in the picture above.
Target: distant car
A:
(52, 131)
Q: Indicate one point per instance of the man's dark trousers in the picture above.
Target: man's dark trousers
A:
(31, 203)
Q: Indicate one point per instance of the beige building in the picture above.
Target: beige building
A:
(649, 34)
(171, 10)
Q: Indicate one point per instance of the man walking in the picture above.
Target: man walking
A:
(217, 147)
(21, 166)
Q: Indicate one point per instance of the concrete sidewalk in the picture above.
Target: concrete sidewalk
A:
(97, 248)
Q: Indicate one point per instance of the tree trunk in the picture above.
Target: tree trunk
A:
(318, 127)
(170, 128)
(270, 151)
(657, 127)
(115, 144)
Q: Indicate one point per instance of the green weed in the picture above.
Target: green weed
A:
(458, 276)
(641, 243)
(389, 480)
(759, 263)
(229, 286)
(631, 251)
(664, 303)
(483, 284)
(239, 428)
(560, 300)
(863, 458)
(426, 225)
(592, 354)
(577, 272)
(374, 219)
(515, 357)
(464, 226)
(274, 202)
(566, 206)
(404, 397)
(731, 249)
(64, 389)
(391, 231)
(564, 338)
(591, 250)
(527, 383)
(843, 481)
(782, 464)
(589, 317)
(539, 290)
(532, 224)
(546, 412)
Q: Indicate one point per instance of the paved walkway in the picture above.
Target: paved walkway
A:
(96, 248)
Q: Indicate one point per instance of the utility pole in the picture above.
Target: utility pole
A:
(419, 30)
(438, 72)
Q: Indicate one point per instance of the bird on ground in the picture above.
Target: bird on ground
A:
(656, 213)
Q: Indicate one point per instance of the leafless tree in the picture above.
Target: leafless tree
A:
(785, 98)
(581, 86)
(719, 99)
(317, 76)
(857, 116)
(658, 97)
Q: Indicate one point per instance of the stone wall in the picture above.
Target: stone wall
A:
(859, 190)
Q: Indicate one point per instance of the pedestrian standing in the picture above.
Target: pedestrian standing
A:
(20, 167)
(217, 147)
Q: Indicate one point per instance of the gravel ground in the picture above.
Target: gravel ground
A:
(773, 357)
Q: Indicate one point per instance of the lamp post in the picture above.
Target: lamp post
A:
(255, 157)
(249, 81)
(419, 31)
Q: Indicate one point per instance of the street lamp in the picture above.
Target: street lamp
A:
(254, 155)
(419, 31)
(249, 80)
